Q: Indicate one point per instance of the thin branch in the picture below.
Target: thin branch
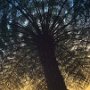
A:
(29, 17)
(56, 19)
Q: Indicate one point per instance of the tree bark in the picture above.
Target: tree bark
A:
(54, 79)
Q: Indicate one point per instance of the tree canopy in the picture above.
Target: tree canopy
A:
(29, 26)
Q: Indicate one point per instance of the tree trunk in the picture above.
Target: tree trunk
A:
(54, 79)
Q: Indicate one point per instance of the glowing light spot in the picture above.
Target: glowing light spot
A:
(25, 23)
(27, 87)
(88, 88)
(20, 34)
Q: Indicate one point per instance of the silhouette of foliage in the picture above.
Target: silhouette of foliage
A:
(37, 36)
